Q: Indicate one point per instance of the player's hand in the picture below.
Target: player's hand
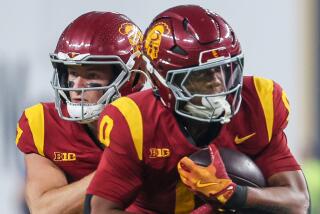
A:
(212, 181)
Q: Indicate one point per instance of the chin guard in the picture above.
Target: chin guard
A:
(212, 107)
(85, 113)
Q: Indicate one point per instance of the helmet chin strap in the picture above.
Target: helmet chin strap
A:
(211, 108)
(90, 111)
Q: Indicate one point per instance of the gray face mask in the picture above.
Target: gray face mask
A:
(209, 92)
(83, 112)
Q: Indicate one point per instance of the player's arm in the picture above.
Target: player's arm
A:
(47, 189)
(286, 193)
(101, 205)
(287, 190)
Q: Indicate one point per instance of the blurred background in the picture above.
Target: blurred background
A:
(279, 40)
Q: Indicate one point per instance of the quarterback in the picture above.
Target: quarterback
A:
(200, 99)
(91, 69)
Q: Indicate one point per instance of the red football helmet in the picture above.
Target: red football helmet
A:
(184, 47)
(97, 38)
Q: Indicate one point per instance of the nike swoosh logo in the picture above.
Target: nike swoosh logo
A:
(238, 140)
(200, 184)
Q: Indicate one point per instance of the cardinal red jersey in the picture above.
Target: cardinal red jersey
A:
(144, 144)
(41, 131)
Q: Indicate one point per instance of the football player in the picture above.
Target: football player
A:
(201, 100)
(92, 64)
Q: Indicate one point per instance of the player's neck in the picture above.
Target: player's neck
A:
(202, 133)
(93, 127)
(197, 128)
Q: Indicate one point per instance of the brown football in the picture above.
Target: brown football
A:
(240, 168)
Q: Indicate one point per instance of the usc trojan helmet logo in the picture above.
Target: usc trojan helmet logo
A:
(153, 39)
(133, 33)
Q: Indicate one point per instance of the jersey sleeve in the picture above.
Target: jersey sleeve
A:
(119, 174)
(276, 156)
(24, 137)
(281, 108)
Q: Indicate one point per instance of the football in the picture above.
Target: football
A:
(240, 168)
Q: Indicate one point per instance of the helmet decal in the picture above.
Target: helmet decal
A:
(133, 33)
(73, 54)
(153, 39)
(213, 55)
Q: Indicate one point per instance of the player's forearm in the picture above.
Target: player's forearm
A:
(111, 211)
(277, 200)
(66, 199)
(99, 205)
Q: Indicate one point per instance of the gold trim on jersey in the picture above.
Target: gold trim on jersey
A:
(19, 133)
(104, 134)
(35, 116)
(264, 88)
(286, 102)
(131, 112)
(184, 199)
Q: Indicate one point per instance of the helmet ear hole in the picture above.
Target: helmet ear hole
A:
(185, 24)
(178, 50)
